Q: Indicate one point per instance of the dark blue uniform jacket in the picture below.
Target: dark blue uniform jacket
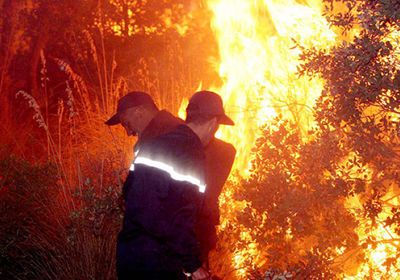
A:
(163, 194)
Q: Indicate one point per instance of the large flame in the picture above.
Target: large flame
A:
(259, 62)
(258, 67)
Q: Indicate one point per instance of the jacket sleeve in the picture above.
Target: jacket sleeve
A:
(166, 197)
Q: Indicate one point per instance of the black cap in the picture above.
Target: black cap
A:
(132, 99)
(208, 103)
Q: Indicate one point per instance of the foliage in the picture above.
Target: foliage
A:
(69, 63)
(73, 59)
(312, 205)
(361, 100)
(297, 193)
(45, 43)
(43, 237)
(27, 196)
(362, 90)
(294, 204)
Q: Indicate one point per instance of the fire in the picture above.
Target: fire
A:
(258, 67)
(384, 245)
(259, 63)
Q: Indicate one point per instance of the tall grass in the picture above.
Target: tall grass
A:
(72, 233)
(74, 216)
(40, 239)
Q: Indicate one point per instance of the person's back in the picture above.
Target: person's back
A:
(219, 158)
(157, 241)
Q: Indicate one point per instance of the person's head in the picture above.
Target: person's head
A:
(134, 112)
(204, 114)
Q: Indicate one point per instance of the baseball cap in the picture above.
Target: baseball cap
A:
(210, 104)
(131, 99)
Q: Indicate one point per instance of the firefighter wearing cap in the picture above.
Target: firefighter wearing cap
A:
(219, 160)
(163, 192)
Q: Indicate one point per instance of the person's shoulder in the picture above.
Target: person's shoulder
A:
(182, 137)
(180, 142)
(180, 149)
(218, 145)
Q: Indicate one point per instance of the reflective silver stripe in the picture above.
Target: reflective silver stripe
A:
(170, 170)
(132, 167)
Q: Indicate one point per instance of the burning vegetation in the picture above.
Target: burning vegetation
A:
(313, 87)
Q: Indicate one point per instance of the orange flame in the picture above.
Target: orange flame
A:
(259, 64)
(258, 67)
(386, 244)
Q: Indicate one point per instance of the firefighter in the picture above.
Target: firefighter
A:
(163, 192)
(219, 160)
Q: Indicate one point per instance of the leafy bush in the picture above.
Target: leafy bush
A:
(292, 205)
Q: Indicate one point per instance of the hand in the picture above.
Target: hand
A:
(201, 274)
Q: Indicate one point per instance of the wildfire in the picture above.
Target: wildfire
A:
(258, 67)
(382, 246)
(259, 64)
